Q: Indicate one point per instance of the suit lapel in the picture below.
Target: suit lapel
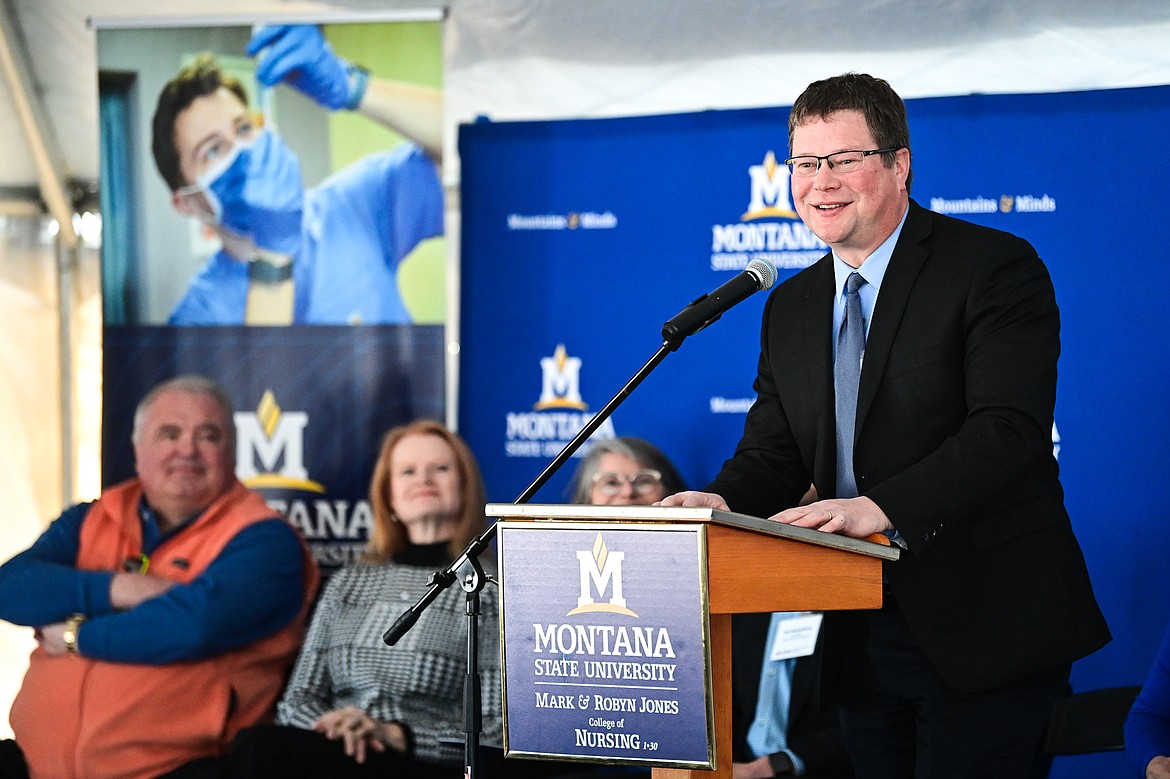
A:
(905, 263)
(817, 324)
(817, 321)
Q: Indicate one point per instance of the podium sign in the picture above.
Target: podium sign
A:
(616, 623)
(605, 637)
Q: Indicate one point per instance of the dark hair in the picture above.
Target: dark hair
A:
(388, 536)
(883, 109)
(642, 452)
(199, 79)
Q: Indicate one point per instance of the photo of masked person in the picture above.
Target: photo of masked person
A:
(328, 254)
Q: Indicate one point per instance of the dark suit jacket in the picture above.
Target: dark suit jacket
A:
(813, 735)
(953, 442)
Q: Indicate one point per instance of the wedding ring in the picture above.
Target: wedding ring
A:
(830, 515)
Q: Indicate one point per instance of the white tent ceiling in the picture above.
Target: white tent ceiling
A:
(519, 59)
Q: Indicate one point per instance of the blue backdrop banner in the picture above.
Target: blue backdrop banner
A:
(581, 238)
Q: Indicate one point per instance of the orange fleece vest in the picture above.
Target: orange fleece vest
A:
(76, 718)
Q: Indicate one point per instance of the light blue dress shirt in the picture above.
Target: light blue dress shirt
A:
(768, 733)
(873, 270)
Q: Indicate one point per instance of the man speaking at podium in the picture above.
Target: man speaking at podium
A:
(910, 375)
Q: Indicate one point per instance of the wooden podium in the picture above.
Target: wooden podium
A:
(753, 565)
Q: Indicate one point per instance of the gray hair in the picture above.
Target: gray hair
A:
(642, 452)
(198, 385)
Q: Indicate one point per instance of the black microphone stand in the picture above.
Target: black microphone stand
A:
(474, 580)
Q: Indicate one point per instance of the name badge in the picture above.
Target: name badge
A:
(796, 636)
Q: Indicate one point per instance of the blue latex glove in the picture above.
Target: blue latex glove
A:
(300, 55)
(257, 192)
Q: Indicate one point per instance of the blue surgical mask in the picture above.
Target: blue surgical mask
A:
(256, 192)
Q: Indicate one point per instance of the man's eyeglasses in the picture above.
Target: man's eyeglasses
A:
(643, 482)
(839, 161)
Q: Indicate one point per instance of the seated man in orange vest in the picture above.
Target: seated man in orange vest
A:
(167, 612)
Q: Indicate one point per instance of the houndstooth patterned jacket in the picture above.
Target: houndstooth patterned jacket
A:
(419, 681)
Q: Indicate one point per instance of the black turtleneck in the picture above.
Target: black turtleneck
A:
(430, 555)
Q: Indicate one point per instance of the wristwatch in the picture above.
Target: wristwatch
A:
(359, 81)
(69, 635)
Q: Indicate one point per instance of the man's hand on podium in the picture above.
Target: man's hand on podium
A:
(854, 517)
(693, 499)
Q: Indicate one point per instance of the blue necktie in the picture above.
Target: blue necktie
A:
(846, 375)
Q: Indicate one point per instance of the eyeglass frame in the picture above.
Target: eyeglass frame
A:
(863, 152)
(657, 474)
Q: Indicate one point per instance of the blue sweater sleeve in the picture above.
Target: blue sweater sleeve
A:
(41, 585)
(1147, 729)
(252, 589)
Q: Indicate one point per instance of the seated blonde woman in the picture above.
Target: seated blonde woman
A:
(355, 707)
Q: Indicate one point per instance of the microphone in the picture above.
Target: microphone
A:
(703, 311)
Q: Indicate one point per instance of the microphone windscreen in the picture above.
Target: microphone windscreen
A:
(764, 271)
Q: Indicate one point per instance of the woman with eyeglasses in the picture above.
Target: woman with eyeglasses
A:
(625, 471)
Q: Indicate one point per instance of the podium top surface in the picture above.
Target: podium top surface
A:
(581, 513)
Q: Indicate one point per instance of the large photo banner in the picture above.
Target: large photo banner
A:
(581, 238)
(275, 220)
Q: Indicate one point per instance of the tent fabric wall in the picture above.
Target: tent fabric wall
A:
(27, 373)
(31, 458)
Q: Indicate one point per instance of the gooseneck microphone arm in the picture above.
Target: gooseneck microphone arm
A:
(699, 314)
